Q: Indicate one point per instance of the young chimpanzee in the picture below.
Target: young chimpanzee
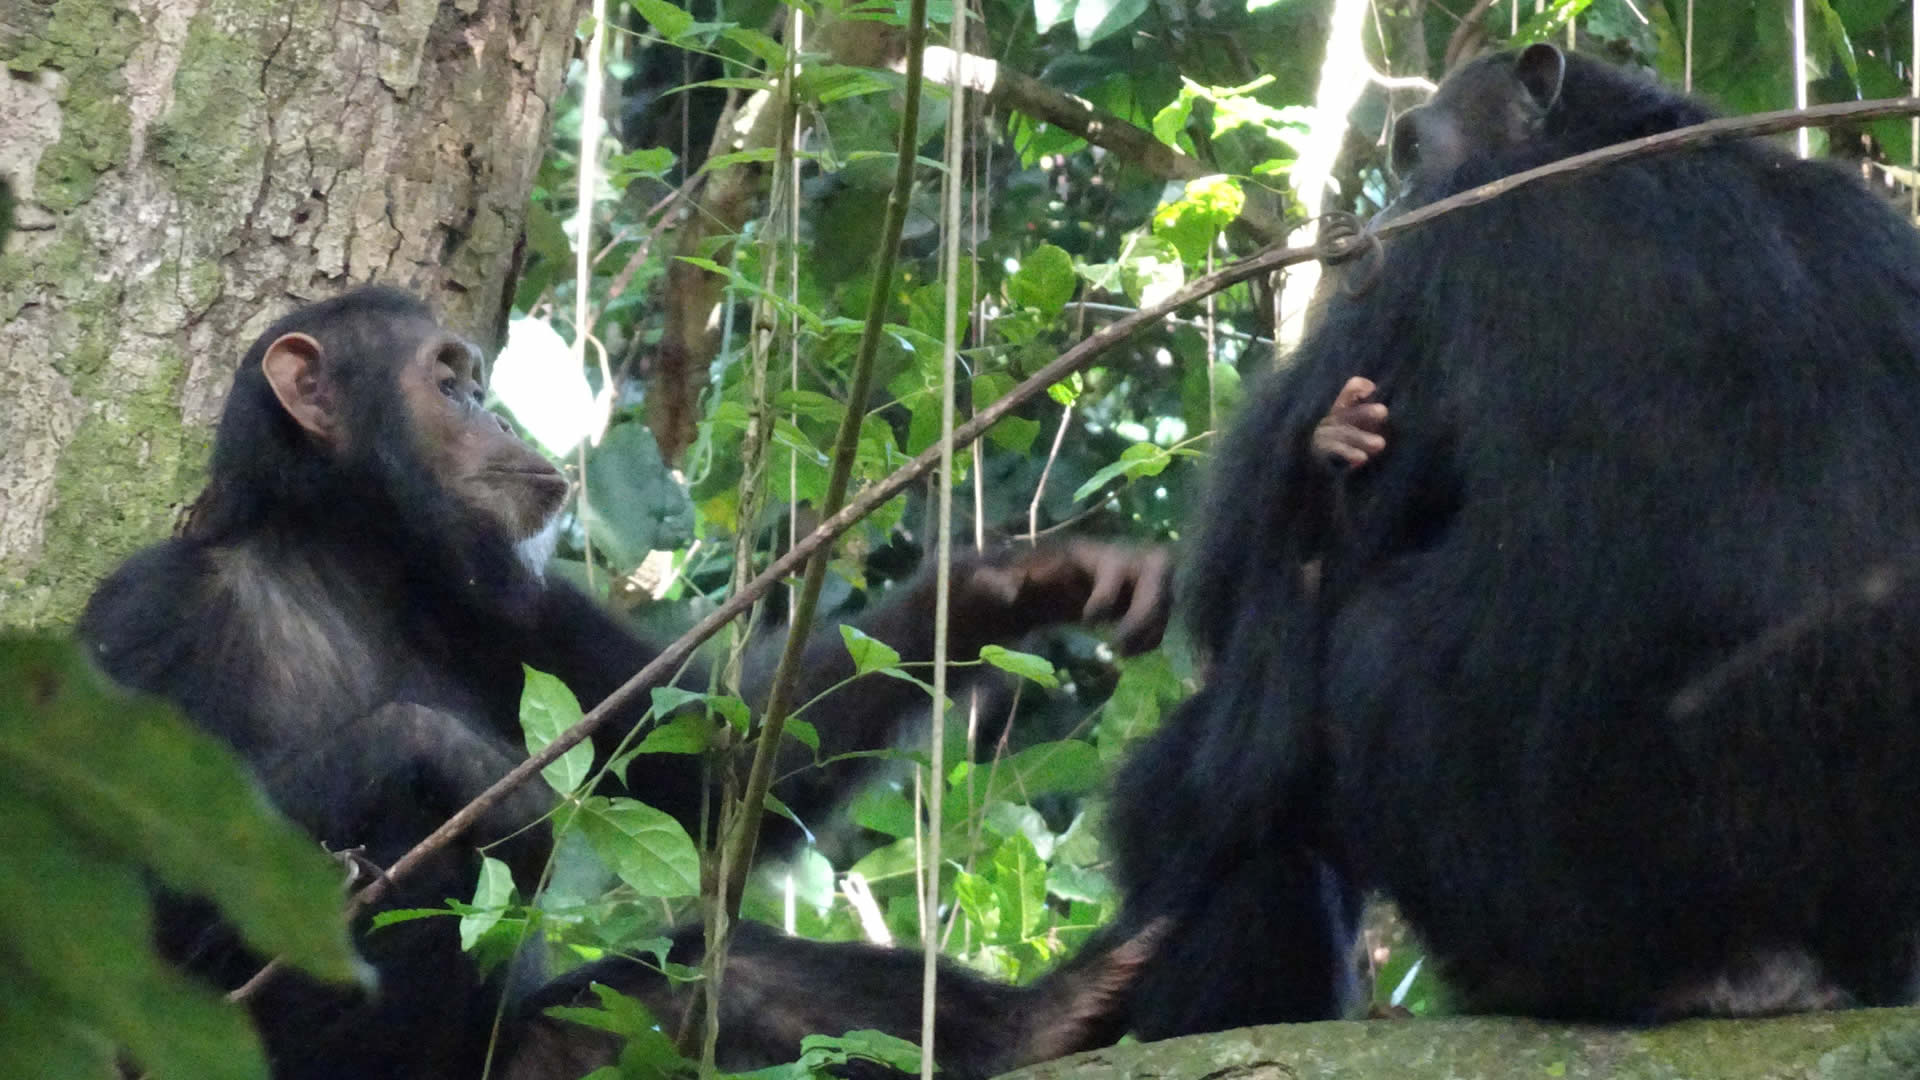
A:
(349, 609)
(1592, 679)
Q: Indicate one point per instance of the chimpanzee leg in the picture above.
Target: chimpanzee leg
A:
(1270, 940)
(779, 989)
(1259, 923)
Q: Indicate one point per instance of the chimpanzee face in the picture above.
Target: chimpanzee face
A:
(1491, 105)
(470, 453)
(476, 456)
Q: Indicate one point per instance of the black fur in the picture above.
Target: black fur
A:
(1640, 419)
(357, 632)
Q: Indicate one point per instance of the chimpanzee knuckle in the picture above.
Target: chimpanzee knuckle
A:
(995, 583)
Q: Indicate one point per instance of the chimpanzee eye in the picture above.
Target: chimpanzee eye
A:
(450, 386)
(1404, 154)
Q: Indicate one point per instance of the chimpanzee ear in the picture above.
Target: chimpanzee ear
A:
(292, 367)
(1541, 69)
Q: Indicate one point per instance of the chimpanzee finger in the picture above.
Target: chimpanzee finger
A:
(1370, 416)
(1146, 619)
(1112, 569)
(1356, 390)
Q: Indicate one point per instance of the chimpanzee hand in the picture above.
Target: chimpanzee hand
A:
(1353, 429)
(1079, 580)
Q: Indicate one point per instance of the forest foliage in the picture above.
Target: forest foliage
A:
(699, 255)
(1060, 236)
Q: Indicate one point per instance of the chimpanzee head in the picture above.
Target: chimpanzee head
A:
(1487, 108)
(362, 411)
(1513, 111)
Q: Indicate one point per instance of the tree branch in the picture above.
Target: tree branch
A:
(1010, 89)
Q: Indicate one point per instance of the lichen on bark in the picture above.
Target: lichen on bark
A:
(187, 170)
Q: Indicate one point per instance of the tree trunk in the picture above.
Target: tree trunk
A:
(189, 170)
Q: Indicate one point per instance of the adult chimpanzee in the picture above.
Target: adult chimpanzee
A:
(347, 607)
(1594, 679)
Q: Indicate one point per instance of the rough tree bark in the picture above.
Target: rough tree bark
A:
(1862, 1044)
(187, 171)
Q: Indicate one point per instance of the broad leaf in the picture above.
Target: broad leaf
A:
(490, 899)
(1026, 665)
(869, 654)
(646, 848)
(129, 776)
(1045, 280)
(547, 709)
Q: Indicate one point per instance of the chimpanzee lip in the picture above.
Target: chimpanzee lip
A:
(528, 472)
(541, 479)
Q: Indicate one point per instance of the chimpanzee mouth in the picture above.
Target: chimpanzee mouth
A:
(540, 475)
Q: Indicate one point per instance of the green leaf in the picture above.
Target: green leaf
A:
(1026, 665)
(882, 809)
(1194, 221)
(1140, 459)
(811, 404)
(491, 896)
(750, 85)
(76, 935)
(1147, 688)
(1170, 123)
(1195, 388)
(391, 916)
(1068, 767)
(547, 709)
(1014, 434)
(669, 700)
(1008, 818)
(685, 733)
(546, 237)
(40, 1037)
(649, 163)
(1081, 883)
(649, 850)
(979, 901)
(757, 43)
(1048, 14)
(631, 504)
(869, 654)
(129, 776)
(762, 155)
(1067, 391)
(648, 1051)
(667, 20)
(828, 83)
(1151, 269)
(803, 733)
(1094, 20)
(1021, 880)
(1045, 280)
(889, 1050)
(772, 804)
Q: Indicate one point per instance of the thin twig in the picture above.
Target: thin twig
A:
(746, 827)
(1040, 489)
(943, 553)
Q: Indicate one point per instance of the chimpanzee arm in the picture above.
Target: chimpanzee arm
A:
(993, 600)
